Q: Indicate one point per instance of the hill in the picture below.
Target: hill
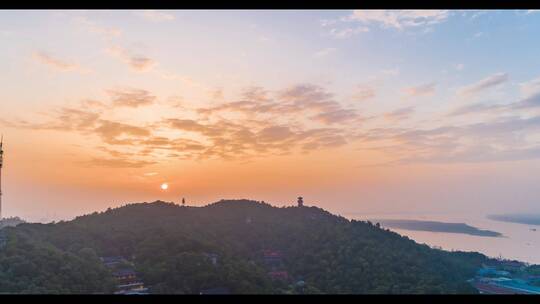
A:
(240, 246)
(10, 222)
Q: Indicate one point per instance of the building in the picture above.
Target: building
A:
(132, 289)
(279, 275)
(125, 276)
(300, 201)
(272, 256)
(492, 271)
(143, 291)
(273, 259)
(213, 257)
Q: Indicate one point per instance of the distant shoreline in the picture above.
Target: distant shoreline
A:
(433, 226)
(524, 219)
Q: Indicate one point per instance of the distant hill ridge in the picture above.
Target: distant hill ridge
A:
(313, 251)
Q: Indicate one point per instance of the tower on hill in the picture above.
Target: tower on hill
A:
(300, 202)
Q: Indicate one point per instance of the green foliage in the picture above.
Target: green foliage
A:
(533, 270)
(169, 246)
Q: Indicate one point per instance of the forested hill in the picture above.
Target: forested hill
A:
(258, 248)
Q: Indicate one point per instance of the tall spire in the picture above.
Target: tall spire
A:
(1, 164)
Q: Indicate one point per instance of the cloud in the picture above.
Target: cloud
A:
(117, 163)
(216, 93)
(477, 14)
(364, 93)
(475, 108)
(421, 90)
(138, 63)
(131, 97)
(399, 114)
(532, 101)
(307, 100)
(94, 28)
(336, 29)
(62, 119)
(459, 66)
(530, 87)
(297, 119)
(399, 19)
(530, 91)
(396, 19)
(155, 16)
(486, 83)
(117, 133)
(496, 140)
(342, 33)
(337, 116)
(230, 140)
(478, 35)
(57, 63)
(324, 52)
(275, 133)
(391, 72)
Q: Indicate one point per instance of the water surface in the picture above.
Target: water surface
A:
(518, 241)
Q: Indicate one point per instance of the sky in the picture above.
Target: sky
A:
(357, 111)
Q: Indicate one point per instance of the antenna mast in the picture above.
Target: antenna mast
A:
(1, 164)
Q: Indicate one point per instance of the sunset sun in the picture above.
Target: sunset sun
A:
(327, 151)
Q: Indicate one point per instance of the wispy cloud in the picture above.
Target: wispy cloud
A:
(116, 163)
(270, 126)
(530, 87)
(475, 108)
(391, 72)
(94, 28)
(399, 19)
(130, 97)
(530, 101)
(155, 16)
(312, 101)
(342, 33)
(324, 52)
(138, 63)
(296, 119)
(496, 140)
(484, 84)
(399, 114)
(364, 93)
(57, 63)
(422, 90)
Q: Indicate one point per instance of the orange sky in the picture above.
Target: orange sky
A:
(100, 108)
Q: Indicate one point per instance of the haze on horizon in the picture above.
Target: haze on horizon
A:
(356, 111)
